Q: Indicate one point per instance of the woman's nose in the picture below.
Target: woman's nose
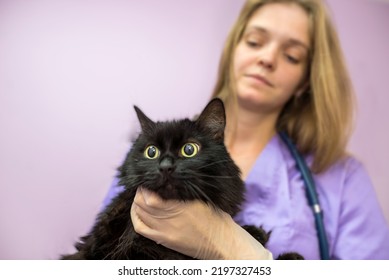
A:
(267, 58)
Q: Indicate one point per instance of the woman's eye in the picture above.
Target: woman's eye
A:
(294, 55)
(292, 59)
(151, 152)
(189, 150)
(252, 43)
(254, 40)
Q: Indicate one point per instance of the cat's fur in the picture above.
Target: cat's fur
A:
(210, 176)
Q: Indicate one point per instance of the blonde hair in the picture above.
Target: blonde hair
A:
(320, 120)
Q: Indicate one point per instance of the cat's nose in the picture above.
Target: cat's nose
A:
(167, 165)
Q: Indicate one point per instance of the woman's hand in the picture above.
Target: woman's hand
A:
(193, 228)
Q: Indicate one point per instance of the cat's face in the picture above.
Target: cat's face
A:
(185, 159)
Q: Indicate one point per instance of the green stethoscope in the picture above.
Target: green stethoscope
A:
(313, 200)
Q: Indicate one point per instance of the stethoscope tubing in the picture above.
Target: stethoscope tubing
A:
(312, 196)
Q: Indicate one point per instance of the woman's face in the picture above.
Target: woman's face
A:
(271, 59)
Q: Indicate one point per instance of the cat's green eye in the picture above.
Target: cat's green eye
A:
(190, 150)
(151, 152)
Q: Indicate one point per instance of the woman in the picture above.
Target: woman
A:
(281, 70)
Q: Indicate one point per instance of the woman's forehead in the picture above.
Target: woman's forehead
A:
(286, 21)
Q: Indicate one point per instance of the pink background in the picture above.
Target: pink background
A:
(70, 72)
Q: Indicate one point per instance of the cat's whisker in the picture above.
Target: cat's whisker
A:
(202, 178)
(214, 176)
(209, 184)
(196, 175)
(193, 190)
(199, 192)
(213, 163)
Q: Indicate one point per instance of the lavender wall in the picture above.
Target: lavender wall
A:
(363, 28)
(70, 72)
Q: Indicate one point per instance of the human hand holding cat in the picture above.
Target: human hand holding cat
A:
(193, 228)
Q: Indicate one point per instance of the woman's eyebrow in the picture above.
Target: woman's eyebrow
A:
(257, 28)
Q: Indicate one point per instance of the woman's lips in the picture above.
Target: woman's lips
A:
(260, 79)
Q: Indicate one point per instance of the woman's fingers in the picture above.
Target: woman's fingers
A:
(143, 225)
(156, 206)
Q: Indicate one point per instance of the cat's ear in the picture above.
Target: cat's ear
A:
(213, 118)
(144, 121)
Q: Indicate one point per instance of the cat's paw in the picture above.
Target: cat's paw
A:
(290, 256)
(258, 233)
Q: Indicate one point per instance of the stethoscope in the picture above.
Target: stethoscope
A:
(313, 200)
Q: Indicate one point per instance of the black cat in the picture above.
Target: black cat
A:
(184, 160)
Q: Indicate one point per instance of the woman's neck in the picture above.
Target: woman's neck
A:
(247, 134)
(250, 131)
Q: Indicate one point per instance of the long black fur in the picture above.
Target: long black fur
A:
(210, 176)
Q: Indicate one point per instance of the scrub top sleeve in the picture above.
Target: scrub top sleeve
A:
(113, 191)
(363, 232)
